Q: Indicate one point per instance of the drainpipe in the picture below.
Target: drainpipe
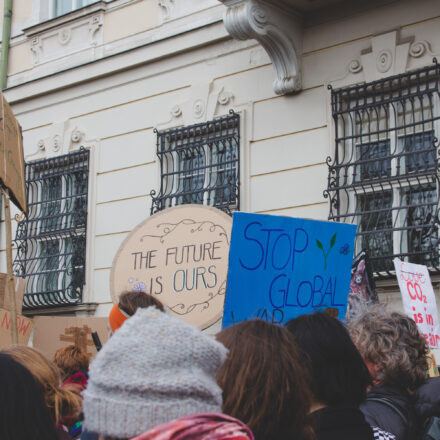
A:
(6, 36)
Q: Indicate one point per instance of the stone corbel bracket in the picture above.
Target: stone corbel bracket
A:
(279, 31)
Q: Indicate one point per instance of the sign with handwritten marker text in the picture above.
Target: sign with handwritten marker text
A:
(419, 299)
(180, 256)
(282, 267)
(24, 327)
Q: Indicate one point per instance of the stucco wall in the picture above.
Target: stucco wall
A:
(285, 139)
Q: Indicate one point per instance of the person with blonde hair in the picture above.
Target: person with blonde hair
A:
(72, 361)
(396, 356)
(60, 401)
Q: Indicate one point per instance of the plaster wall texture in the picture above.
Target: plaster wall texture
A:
(115, 102)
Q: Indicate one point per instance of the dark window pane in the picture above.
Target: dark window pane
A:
(376, 228)
(225, 157)
(374, 160)
(192, 175)
(420, 152)
(422, 228)
(50, 203)
(49, 255)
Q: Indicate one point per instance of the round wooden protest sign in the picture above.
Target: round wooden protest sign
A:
(180, 256)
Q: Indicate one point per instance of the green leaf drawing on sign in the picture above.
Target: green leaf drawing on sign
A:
(326, 254)
(332, 241)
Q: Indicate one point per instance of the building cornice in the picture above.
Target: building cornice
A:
(278, 30)
(113, 64)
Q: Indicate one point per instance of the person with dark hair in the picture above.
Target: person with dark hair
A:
(264, 382)
(128, 304)
(396, 355)
(339, 378)
(23, 412)
(61, 401)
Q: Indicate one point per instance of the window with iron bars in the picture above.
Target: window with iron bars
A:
(384, 174)
(200, 164)
(51, 241)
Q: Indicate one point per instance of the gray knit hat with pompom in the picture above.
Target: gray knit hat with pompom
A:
(154, 369)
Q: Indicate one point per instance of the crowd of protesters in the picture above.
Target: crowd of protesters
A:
(158, 378)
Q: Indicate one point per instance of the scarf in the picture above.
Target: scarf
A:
(200, 427)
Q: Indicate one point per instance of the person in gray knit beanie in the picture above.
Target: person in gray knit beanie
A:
(154, 369)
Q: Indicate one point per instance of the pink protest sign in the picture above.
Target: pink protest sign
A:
(419, 299)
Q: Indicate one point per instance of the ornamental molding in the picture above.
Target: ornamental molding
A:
(279, 31)
(81, 33)
(175, 9)
(205, 101)
(386, 57)
(61, 138)
(166, 9)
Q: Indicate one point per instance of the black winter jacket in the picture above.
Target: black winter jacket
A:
(403, 425)
(341, 423)
(427, 399)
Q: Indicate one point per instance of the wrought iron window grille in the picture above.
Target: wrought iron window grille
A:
(51, 241)
(384, 175)
(200, 164)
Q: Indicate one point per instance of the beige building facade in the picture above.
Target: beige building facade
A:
(100, 88)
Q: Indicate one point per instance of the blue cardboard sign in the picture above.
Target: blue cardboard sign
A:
(283, 267)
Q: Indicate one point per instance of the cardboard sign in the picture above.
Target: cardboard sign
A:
(281, 267)
(24, 326)
(180, 256)
(54, 332)
(419, 299)
(11, 156)
(19, 285)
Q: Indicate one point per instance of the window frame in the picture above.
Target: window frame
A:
(344, 191)
(192, 137)
(66, 226)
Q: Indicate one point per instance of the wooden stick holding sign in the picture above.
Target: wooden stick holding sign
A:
(10, 280)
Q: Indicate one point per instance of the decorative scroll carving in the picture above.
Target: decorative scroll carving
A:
(420, 48)
(35, 49)
(167, 7)
(278, 31)
(355, 66)
(95, 24)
